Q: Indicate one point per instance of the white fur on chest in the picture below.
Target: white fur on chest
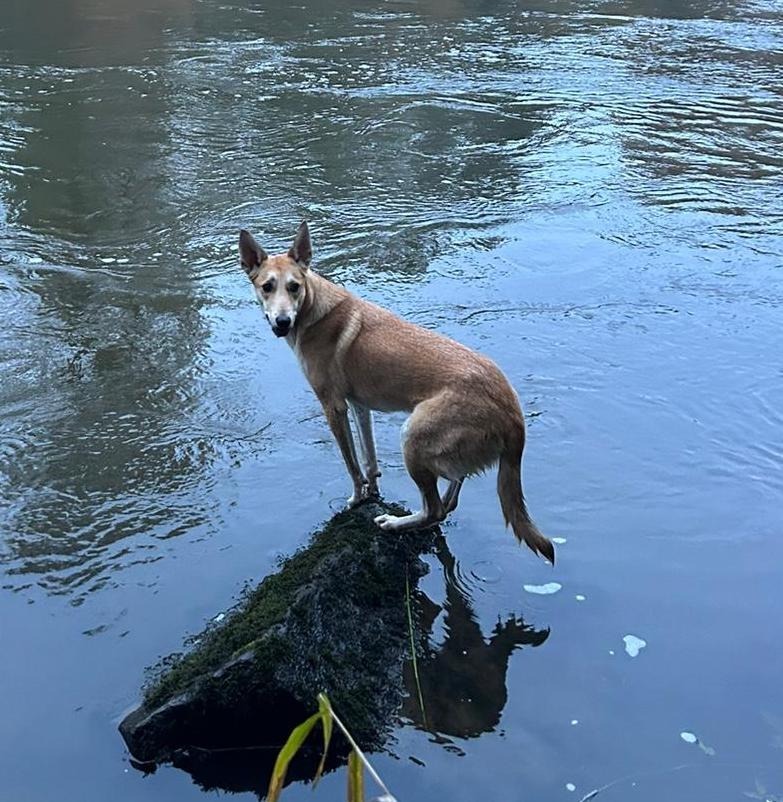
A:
(300, 357)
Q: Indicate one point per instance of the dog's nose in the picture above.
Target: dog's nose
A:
(282, 325)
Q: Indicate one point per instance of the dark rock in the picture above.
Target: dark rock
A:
(333, 619)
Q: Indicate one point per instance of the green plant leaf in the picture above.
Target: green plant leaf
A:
(355, 778)
(325, 711)
(287, 753)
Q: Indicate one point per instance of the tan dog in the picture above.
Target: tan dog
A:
(464, 415)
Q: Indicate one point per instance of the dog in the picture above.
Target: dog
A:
(464, 415)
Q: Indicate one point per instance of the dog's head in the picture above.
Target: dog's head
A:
(280, 281)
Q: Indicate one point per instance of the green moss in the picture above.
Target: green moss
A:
(349, 566)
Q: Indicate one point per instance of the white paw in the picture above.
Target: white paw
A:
(386, 522)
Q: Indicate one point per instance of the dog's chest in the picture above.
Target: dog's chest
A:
(300, 357)
(308, 361)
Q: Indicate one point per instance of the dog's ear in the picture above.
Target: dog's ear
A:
(302, 251)
(251, 254)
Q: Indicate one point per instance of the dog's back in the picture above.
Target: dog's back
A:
(390, 364)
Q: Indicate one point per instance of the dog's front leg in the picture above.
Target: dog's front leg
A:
(362, 417)
(337, 416)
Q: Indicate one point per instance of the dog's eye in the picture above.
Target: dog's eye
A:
(293, 287)
(267, 286)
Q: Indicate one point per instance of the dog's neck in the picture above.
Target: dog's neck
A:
(321, 297)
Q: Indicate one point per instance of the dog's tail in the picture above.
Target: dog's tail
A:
(512, 502)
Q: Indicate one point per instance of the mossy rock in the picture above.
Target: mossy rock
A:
(332, 618)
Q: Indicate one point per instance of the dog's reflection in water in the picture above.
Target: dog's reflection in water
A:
(462, 680)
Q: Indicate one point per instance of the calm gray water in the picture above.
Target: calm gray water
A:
(591, 193)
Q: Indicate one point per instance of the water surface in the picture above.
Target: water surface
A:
(590, 193)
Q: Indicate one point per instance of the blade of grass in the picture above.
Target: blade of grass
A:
(287, 753)
(325, 712)
(413, 650)
(355, 778)
(370, 770)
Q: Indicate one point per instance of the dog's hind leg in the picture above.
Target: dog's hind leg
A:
(416, 450)
(451, 496)
(448, 435)
(364, 432)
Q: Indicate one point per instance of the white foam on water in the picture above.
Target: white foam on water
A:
(543, 590)
(634, 645)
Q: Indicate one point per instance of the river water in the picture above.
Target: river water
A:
(590, 193)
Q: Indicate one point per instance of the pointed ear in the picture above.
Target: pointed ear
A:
(302, 251)
(251, 254)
